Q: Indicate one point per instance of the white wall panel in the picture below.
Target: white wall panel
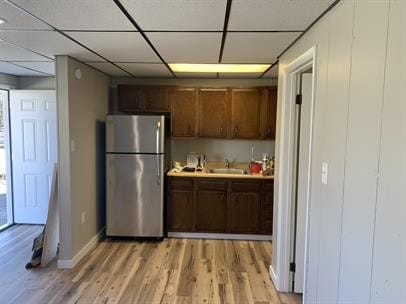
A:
(365, 107)
(357, 246)
(388, 284)
(333, 150)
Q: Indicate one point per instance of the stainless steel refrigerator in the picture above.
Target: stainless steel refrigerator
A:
(137, 158)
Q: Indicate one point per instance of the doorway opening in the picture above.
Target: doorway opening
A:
(6, 206)
(301, 175)
(292, 176)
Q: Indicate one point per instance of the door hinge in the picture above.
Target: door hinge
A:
(299, 99)
(292, 267)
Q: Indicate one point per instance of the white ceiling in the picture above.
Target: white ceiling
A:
(99, 33)
(186, 15)
(117, 46)
(78, 14)
(256, 47)
(275, 15)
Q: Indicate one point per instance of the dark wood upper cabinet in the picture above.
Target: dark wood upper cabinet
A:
(184, 112)
(130, 98)
(245, 113)
(270, 112)
(142, 99)
(213, 119)
(157, 99)
(241, 113)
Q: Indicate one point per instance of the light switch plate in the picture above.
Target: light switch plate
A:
(324, 173)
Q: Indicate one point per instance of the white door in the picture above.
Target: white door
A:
(34, 152)
(303, 180)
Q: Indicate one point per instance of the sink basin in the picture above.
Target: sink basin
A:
(228, 171)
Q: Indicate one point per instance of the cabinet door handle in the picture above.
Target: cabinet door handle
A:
(221, 131)
(235, 130)
(268, 131)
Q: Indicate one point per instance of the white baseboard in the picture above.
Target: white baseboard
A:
(69, 264)
(220, 236)
(273, 276)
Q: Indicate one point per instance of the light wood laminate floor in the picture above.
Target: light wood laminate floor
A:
(172, 271)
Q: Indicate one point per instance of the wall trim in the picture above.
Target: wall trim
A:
(69, 264)
(220, 236)
(273, 276)
(284, 172)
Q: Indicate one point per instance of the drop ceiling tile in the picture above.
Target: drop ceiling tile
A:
(109, 69)
(256, 47)
(18, 20)
(240, 75)
(272, 73)
(177, 14)
(146, 69)
(48, 44)
(117, 46)
(187, 47)
(275, 15)
(47, 67)
(196, 75)
(11, 69)
(10, 52)
(78, 14)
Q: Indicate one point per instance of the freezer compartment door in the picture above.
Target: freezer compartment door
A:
(135, 134)
(135, 195)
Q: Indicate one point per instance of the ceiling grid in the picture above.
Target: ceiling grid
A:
(126, 38)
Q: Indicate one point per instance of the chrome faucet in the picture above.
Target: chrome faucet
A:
(227, 163)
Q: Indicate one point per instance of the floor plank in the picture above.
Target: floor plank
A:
(171, 271)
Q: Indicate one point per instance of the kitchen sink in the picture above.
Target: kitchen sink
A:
(228, 171)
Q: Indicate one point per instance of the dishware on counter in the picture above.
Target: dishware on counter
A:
(196, 161)
(255, 167)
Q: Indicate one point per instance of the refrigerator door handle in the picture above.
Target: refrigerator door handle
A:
(158, 137)
(158, 162)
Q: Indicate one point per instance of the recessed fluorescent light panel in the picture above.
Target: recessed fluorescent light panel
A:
(218, 68)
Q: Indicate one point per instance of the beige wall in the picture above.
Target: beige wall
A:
(36, 83)
(217, 150)
(82, 106)
(356, 241)
(8, 81)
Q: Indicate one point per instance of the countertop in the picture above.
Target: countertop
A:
(205, 174)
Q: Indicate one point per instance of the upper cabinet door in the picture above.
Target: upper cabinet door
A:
(245, 113)
(130, 98)
(157, 99)
(270, 110)
(213, 119)
(139, 99)
(184, 112)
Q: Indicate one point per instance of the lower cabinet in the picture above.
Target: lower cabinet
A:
(220, 205)
(244, 212)
(211, 211)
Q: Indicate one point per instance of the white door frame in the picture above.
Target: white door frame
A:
(285, 175)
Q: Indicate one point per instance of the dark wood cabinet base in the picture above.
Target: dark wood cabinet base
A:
(220, 205)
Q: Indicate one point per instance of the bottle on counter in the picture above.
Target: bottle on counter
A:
(265, 162)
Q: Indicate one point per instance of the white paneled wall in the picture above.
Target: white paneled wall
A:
(357, 239)
(389, 255)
